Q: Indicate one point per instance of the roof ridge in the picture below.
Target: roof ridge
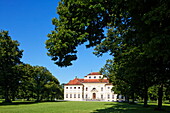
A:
(95, 73)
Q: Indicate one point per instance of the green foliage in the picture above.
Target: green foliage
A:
(9, 59)
(137, 36)
(152, 92)
(38, 83)
(19, 80)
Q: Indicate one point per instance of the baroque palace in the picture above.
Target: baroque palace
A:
(93, 87)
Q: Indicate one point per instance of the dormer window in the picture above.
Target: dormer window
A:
(94, 89)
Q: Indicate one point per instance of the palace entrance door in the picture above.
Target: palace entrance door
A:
(94, 96)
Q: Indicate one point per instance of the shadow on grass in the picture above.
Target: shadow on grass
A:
(26, 102)
(130, 108)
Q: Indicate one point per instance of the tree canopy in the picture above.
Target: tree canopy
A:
(19, 80)
(136, 22)
(135, 32)
(10, 56)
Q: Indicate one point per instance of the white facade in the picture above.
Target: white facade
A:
(93, 87)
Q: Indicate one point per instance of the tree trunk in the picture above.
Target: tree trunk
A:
(28, 98)
(127, 99)
(7, 99)
(145, 91)
(145, 97)
(133, 98)
(51, 98)
(48, 98)
(13, 96)
(160, 95)
(38, 96)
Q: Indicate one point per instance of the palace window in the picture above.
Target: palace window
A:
(100, 77)
(70, 87)
(74, 95)
(66, 95)
(78, 95)
(66, 87)
(108, 96)
(89, 77)
(101, 96)
(74, 87)
(86, 88)
(86, 95)
(112, 96)
(94, 76)
(70, 95)
(78, 87)
(101, 88)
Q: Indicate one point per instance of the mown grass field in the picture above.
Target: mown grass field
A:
(79, 107)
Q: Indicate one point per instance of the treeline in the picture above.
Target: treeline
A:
(23, 81)
(136, 84)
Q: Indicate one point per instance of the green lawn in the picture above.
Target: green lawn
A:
(79, 107)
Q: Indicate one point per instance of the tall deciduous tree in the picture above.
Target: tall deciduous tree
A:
(37, 82)
(26, 83)
(10, 56)
(136, 28)
(41, 79)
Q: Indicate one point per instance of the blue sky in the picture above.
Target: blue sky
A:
(29, 22)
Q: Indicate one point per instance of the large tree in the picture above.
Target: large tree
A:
(37, 82)
(42, 78)
(26, 89)
(134, 28)
(10, 56)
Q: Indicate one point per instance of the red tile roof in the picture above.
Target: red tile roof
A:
(95, 81)
(77, 81)
(109, 84)
(94, 73)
